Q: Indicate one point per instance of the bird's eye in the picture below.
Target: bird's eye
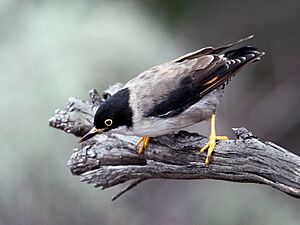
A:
(108, 122)
(106, 96)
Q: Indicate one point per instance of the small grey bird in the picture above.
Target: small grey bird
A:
(174, 95)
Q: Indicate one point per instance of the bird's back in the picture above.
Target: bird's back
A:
(166, 90)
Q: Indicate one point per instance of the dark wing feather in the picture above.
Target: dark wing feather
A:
(209, 50)
(170, 88)
(199, 82)
(188, 90)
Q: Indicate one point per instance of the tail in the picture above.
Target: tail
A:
(235, 60)
(210, 50)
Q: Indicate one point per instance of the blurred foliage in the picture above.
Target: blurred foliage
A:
(50, 50)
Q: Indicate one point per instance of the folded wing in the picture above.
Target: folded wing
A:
(170, 88)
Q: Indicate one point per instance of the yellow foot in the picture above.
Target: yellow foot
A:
(211, 146)
(145, 142)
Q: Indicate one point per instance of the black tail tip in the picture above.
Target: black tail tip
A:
(243, 51)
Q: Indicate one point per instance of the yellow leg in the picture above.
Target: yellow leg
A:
(145, 142)
(212, 139)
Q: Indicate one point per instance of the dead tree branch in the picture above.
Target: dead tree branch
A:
(108, 159)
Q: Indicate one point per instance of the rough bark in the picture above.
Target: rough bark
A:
(109, 159)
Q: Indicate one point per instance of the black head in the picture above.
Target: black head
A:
(113, 113)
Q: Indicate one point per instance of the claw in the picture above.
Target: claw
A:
(210, 146)
(145, 143)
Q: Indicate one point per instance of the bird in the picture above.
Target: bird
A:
(174, 95)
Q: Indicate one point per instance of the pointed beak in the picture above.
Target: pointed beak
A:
(90, 134)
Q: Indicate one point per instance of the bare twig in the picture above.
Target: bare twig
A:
(127, 188)
(108, 160)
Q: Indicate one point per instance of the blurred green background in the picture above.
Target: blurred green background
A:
(50, 50)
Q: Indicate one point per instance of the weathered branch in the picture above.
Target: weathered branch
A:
(109, 159)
